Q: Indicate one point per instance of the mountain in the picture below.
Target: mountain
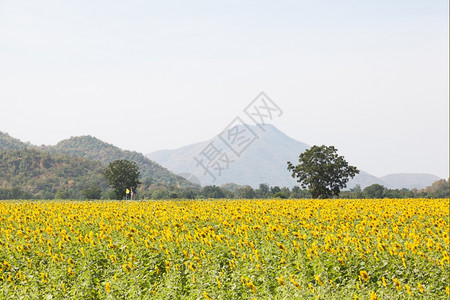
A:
(409, 181)
(94, 149)
(394, 181)
(42, 174)
(9, 143)
(263, 161)
(364, 179)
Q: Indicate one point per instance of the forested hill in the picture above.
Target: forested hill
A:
(8, 143)
(66, 169)
(38, 174)
(94, 149)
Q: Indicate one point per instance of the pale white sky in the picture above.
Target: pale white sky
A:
(369, 77)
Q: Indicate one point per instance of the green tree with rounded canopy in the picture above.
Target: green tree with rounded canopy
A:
(263, 190)
(322, 171)
(92, 192)
(374, 191)
(247, 192)
(212, 191)
(121, 175)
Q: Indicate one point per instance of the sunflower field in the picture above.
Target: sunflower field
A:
(225, 249)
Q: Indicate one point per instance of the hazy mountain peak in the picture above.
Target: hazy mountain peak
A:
(259, 162)
(408, 180)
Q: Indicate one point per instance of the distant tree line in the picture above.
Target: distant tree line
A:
(439, 189)
(15, 193)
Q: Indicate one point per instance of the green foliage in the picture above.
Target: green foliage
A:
(357, 192)
(93, 192)
(110, 195)
(247, 192)
(212, 191)
(15, 193)
(298, 193)
(41, 175)
(94, 149)
(263, 190)
(174, 195)
(280, 195)
(274, 190)
(122, 175)
(400, 193)
(74, 165)
(439, 189)
(374, 191)
(188, 193)
(322, 171)
(9, 143)
(63, 194)
(286, 191)
(160, 194)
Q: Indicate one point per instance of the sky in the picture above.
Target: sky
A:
(369, 77)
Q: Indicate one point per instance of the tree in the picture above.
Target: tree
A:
(374, 191)
(285, 190)
(122, 175)
(280, 195)
(357, 192)
(322, 171)
(263, 190)
(277, 192)
(92, 192)
(188, 193)
(62, 194)
(296, 192)
(274, 190)
(212, 191)
(111, 195)
(247, 192)
(439, 189)
(14, 193)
